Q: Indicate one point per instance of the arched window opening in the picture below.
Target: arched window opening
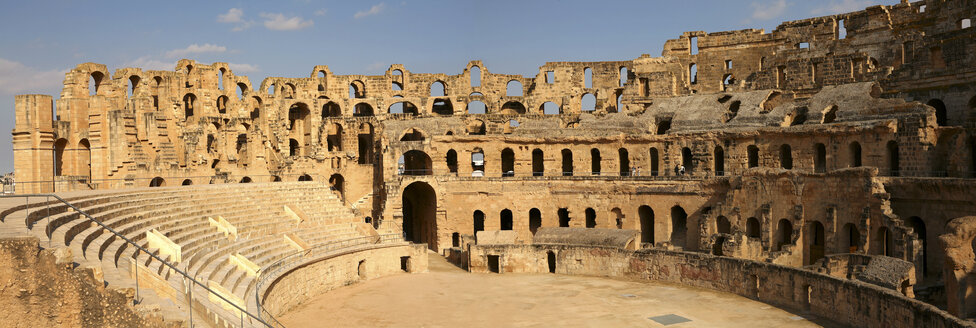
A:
(508, 162)
(293, 148)
(396, 86)
(719, 158)
(620, 103)
(222, 104)
(852, 238)
(452, 163)
(550, 108)
(855, 154)
(918, 227)
(416, 162)
(535, 220)
(334, 137)
(477, 107)
(95, 83)
(693, 73)
(883, 244)
(187, 182)
(624, 158)
(363, 109)
(331, 109)
(59, 147)
(338, 184)
(479, 221)
(442, 107)
(646, 215)
(403, 107)
(357, 89)
(475, 76)
(241, 148)
(784, 234)
(188, 105)
(588, 103)
(477, 163)
(587, 77)
(505, 219)
(786, 157)
(752, 228)
(816, 242)
(618, 217)
(753, 154)
(298, 117)
(679, 226)
(567, 163)
(590, 218)
(84, 158)
(893, 162)
(157, 182)
(513, 108)
(723, 224)
(940, 111)
(133, 85)
(246, 180)
(513, 89)
(820, 158)
(437, 89)
(241, 91)
(538, 163)
(220, 78)
(595, 161)
(305, 177)
(271, 89)
(655, 162)
(687, 160)
(564, 218)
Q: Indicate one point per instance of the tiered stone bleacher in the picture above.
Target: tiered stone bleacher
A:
(223, 235)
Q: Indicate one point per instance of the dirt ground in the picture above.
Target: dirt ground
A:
(450, 297)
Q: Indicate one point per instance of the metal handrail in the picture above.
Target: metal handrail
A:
(185, 275)
(287, 263)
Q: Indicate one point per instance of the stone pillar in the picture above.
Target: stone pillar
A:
(33, 143)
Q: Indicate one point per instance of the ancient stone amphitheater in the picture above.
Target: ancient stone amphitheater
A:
(826, 167)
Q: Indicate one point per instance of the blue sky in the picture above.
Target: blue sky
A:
(43, 39)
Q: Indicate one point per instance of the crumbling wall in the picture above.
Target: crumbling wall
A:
(44, 289)
(843, 301)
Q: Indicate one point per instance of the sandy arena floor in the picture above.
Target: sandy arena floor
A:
(450, 297)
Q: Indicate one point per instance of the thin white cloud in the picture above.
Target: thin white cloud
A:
(149, 63)
(234, 15)
(243, 68)
(320, 12)
(17, 78)
(833, 7)
(767, 11)
(375, 9)
(278, 22)
(196, 49)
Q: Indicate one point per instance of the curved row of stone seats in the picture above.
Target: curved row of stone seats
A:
(260, 214)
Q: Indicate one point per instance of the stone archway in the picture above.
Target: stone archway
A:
(419, 214)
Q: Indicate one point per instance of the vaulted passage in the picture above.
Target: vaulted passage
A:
(646, 224)
(679, 226)
(419, 211)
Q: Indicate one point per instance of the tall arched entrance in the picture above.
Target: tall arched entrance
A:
(419, 209)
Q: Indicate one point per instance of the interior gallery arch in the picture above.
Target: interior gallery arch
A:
(419, 209)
